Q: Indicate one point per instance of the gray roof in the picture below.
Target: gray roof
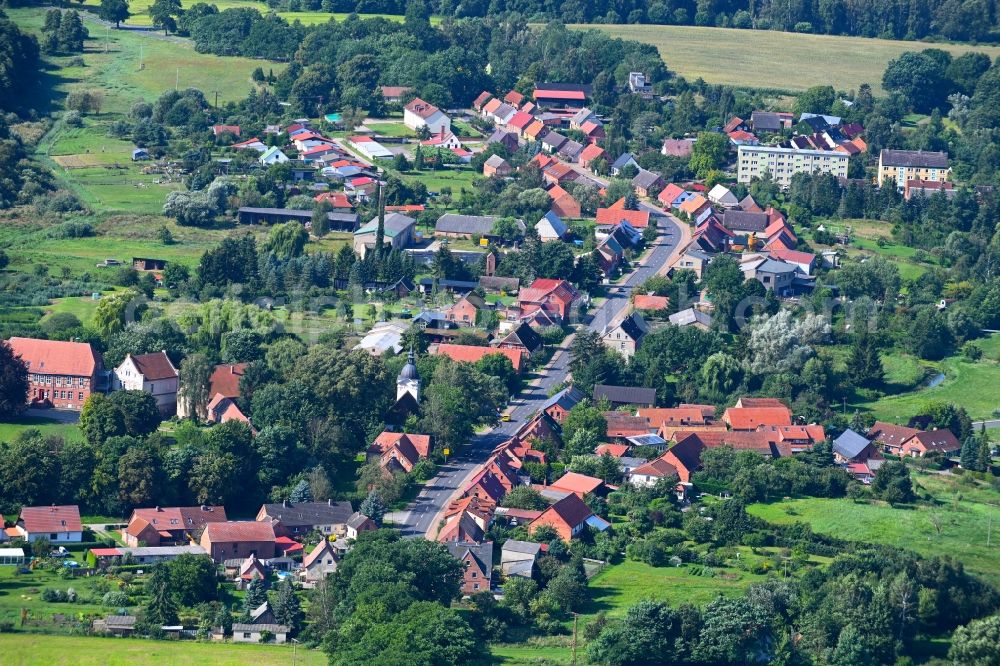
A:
(358, 519)
(634, 326)
(914, 158)
(690, 316)
(570, 149)
(774, 267)
(479, 225)
(741, 220)
(765, 120)
(554, 139)
(647, 440)
(495, 161)
(645, 179)
(850, 444)
(310, 513)
(273, 628)
(119, 621)
(483, 552)
(567, 399)
(523, 547)
(522, 568)
(622, 160)
(629, 395)
(164, 551)
(395, 223)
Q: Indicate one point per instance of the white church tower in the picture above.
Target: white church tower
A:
(409, 379)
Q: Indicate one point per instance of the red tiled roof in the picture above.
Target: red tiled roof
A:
(514, 97)
(398, 91)
(570, 510)
(621, 424)
(421, 108)
(577, 483)
(793, 256)
(614, 216)
(226, 380)
(154, 366)
(938, 440)
(336, 199)
(471, 353)
(657, 467)
(520, 120)
(644, 302)
(232, 129)
(890, 433)
(750, 418)
(591, 152)
(386, 440)
(55, 357)
(178, 517)
(669, 193)
(406, 208)
(541, 93)
(657, 416)
(54, 519)
(106, 552)
(739, 440)
(733, 123)
(246, 530)
(590, 126)
(492, 105)
(693, 204)
(479, 101)
(616, 450)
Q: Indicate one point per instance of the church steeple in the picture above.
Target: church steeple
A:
(409, 379)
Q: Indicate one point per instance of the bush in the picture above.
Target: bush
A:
(71, 230)
(73, 118)
(115, 599)
(60, 201)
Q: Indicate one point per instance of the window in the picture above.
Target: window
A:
(475, 586)
(53, 537)
(475, 574)
(80, 395)
(246, 634)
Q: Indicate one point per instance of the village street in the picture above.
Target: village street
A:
(422, 516)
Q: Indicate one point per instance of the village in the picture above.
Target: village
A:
(570, 360)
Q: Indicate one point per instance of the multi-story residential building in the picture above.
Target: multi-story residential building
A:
(60, 374)
(783, 163)
(899, 166)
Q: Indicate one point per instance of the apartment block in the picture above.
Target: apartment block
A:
(900, 166)
(783, 163)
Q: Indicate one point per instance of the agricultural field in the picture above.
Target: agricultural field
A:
(140, 12)
(963, 508)
(22, 650)
(776, 60)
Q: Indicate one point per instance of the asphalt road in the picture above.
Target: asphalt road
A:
(417, 520)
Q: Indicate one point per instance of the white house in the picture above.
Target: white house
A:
(625, 336)
(58, 524)
(252, 633)
(321, 562)
(273, 155)
(722, 196)
(152, 373)
(419, 113)
(551, 227)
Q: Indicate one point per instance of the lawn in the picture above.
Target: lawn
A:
(964, 514)
(772, 59)
(391, 129)
(532, 653)
(436, 181)
(11, 429)
(24, 649)
(969, 384)
(620, 586)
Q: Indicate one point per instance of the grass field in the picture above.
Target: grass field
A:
(456, 179)
(619, 586)
(27, 649)
(771, 59)
(964, 512)
(164, 63)
(11, 429)
(969, 384)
